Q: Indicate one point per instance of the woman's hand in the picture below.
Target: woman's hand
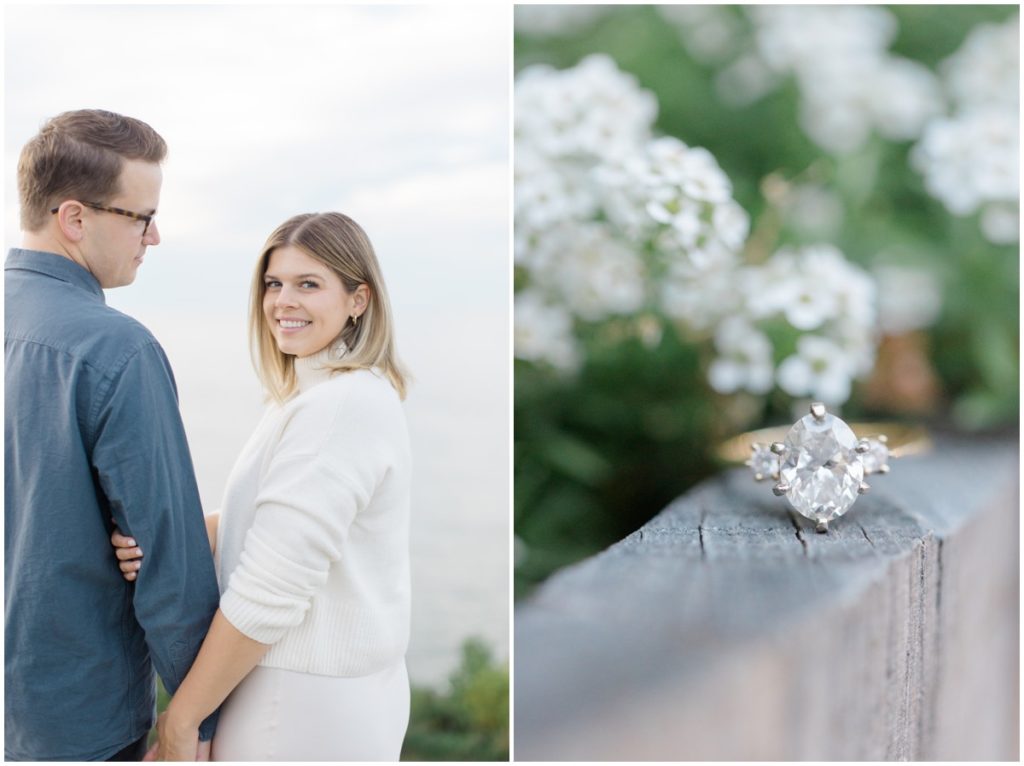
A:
(177, 740)
(129, 556)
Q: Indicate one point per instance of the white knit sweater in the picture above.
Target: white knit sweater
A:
(313, 540)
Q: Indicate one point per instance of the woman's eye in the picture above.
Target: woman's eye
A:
(311, 285)
(272, 283)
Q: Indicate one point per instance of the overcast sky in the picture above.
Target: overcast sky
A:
(397, 116)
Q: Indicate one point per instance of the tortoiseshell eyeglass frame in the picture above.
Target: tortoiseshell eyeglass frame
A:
(147, 219)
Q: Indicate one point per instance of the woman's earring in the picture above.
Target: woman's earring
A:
(355, 320)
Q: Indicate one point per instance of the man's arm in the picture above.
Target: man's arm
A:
(141, 458)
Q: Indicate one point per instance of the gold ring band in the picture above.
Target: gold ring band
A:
(903, 439)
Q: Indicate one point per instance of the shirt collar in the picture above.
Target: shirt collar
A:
(53, 265)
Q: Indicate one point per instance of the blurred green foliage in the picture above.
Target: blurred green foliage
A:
(598, 455)
(468, 721)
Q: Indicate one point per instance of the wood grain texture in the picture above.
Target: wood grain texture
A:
(727, 629)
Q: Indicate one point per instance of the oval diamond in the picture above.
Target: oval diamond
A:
(821, 467)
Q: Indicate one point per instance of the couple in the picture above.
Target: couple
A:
(280, 624)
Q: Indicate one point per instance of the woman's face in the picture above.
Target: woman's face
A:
(305, 303)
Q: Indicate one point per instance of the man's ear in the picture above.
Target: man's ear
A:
(69, 219)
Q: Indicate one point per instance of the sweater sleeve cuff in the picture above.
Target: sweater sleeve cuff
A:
(251, 619)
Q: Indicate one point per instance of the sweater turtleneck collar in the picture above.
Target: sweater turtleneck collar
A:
(311, 370)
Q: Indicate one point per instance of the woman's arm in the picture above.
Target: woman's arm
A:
(224, 659)
(211, 530)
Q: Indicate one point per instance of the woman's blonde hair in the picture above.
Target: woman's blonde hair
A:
(339, 243)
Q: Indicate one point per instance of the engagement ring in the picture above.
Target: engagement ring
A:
(820, 465)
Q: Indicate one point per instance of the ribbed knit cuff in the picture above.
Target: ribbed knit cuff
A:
(250, 618)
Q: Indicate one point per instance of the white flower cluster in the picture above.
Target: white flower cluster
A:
(970, 159)
(850, 85)
(676, 197)
(555, 20)
(566, 121)
(709, 32)
(614, 222)
(596, 195)
(583, 113)
(817, 291)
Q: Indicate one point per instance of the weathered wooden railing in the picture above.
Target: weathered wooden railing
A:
(727, 629)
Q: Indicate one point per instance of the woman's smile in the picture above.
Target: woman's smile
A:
(292, 326)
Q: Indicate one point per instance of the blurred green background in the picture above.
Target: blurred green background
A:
(599, 453)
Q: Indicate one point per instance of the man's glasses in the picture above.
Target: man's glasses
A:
(147, 219)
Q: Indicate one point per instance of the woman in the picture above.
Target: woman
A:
(311, 543)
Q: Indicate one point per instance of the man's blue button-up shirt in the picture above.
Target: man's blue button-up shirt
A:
(93, 433)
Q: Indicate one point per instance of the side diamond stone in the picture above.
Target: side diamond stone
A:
(763, 462)
(821, 467)
(876, 458)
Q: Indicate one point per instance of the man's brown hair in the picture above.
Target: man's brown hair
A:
(80, 155)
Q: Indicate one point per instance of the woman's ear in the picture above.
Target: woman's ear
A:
(361, 298)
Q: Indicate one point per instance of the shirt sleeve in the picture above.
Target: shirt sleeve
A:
(142, 461)
(322, 474)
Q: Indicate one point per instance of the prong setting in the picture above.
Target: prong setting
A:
(822, 466)
(822, 527)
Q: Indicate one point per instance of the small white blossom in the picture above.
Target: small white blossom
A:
(820, 368)
(971, 159)
(809, 287)
(905, 96)
(595, 274)
(701, 298)
(543, 332)
(745, 359)
(984, 70)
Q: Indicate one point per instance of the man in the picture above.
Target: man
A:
(93, 439)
